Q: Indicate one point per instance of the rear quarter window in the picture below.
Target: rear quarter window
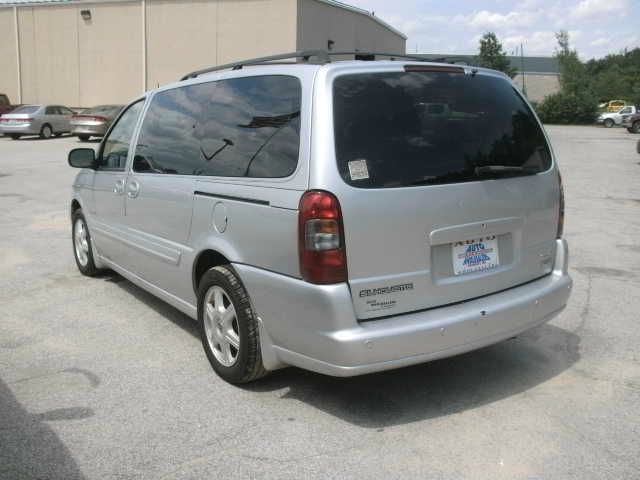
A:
(398, 129)
(240, 127)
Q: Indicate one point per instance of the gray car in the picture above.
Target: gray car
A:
(94, 122)
(319, 215)
(42, 120)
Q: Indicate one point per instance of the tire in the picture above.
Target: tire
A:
(82, 249)
(46, 131)
(635, 128)
(629, 129)
(83, 138)
(219, 290)
(14, 136)
(608, 123)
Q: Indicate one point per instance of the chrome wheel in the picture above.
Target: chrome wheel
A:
(81, 242)
(221, 326)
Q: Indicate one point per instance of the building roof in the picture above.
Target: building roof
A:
(361, 11)
(333, 3)
(22, 2)
(544, 65)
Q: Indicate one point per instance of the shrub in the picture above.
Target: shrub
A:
(568, 108)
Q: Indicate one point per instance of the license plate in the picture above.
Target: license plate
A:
(475, 255)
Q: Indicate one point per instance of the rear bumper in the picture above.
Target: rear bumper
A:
(22, 129)
(315, 327)
(92, 130)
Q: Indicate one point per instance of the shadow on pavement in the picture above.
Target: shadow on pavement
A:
(435, 389)
(29, 448)
(430, 390)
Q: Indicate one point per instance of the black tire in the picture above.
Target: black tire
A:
(608, 123)
(635, 128)
(14, 136)
(87, 268)
(248, 363)
(629, 130)
(46, 131)
(83, 138)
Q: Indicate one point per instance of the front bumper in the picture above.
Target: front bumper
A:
(314, 326)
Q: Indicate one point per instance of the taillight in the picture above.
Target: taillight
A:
(321, 248)
(99, 119)
(560, 209)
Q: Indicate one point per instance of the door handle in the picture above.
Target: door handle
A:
(133, 189)
(118, 188)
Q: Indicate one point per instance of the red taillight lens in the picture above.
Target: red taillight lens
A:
(560, 209)
(99, 119)
(323, 258)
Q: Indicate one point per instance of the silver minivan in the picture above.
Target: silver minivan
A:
(344, 217)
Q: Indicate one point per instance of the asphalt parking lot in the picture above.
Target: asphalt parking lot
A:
(100, 380)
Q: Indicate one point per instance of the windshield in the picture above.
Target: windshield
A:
(26, 109)
(398, 129)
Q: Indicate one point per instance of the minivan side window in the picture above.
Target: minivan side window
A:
(239, 127)
(115, 147)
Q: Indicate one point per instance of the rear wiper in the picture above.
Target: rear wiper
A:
(502, 169)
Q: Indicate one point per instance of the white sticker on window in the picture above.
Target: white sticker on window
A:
(358, 170)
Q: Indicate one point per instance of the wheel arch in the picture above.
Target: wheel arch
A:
(75, 205)
(205, 260)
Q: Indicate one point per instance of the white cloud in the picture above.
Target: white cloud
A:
(601, 42)
(436, 27)
(594, 8)
(493, 20)
(535, 43)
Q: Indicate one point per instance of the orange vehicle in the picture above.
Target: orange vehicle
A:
(613, 105)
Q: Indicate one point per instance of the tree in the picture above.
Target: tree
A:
(573, 79)
(492, 55)
(575, 102)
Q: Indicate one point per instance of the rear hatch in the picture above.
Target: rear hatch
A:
(450, 189)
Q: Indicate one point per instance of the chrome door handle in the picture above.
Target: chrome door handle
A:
(118, 188)
(133, 189)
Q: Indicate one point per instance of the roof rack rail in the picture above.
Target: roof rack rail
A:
(323, 56)
(305, 55)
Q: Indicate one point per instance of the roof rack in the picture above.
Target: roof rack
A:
(323, 56)
(305, 55)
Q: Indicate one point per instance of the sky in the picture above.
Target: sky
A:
(596, 27)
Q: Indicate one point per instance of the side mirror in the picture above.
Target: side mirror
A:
(82, 158)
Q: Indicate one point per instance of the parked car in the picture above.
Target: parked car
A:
(613, 105)
(611, 119)
(632, 122)
(94, 122)
(5, 104)
(42, 120)
(315, 215)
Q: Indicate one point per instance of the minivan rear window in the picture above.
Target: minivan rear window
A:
(399, 129)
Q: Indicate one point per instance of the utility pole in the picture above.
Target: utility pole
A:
(524, 85)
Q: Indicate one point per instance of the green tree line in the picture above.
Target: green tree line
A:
(582, 85)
